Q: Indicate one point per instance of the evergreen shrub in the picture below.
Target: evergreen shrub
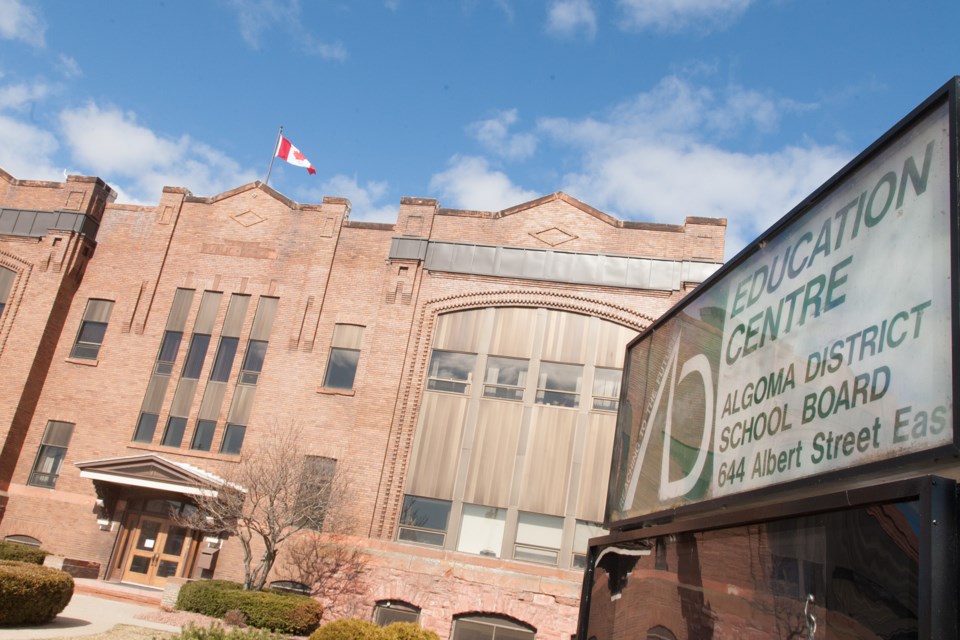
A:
(284, 613)
(350, 629)
(21, 553)
(30, 594)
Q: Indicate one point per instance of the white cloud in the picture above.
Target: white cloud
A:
(26, 151)
(658, 157)
(257, 17)
(674, 15)
(571, 17)
(20, 22)
(20, 96)
(363, 198)
(494, 135)
(69, 67)
(111, 144)
(470, 183)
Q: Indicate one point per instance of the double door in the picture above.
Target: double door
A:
(158, 549)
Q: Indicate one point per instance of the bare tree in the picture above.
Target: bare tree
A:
(274, 492)
(331, 567)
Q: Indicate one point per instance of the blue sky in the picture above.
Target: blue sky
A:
(649, 110)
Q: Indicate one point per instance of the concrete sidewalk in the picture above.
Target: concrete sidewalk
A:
(93, 609)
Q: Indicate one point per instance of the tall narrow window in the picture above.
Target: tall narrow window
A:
(146, 426)
(6, 284)
(203, 436)
(316, 486)
(344, 356)
(92, 329)
(173, 434)
(223, 361)
(196, 355)
(53, 449)
(233, 438)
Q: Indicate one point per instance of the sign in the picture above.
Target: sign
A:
(828, 347)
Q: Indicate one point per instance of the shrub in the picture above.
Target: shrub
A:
(216, 632)
(30, 594)
(352, 629)
(284, 613)
(235, 618)
(407, 631)
(21, 553)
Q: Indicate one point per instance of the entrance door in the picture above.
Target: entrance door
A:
(158, 549)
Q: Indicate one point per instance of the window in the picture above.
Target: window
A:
(581, 536)
(450, 371)
(490, 627)
(196, 355)
(344, 356)
(168, 352)
(506, 378)
(173, 435)
(92, 329)
(390, 611)
(606, 389)
(424, 520)
(481, 530)
(559, 384)
(53, 449)
(203, 436)
(253, 362)
(223, 361)
(538, 538)
(7, 277)
(315, 488)
(232, 438)
(146, 426)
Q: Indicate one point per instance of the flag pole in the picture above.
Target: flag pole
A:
(266, 181)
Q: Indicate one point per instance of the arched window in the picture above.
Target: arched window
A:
(30, 541)
(390, 611)
(490, 627)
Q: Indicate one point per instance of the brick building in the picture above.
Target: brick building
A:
(462, 368)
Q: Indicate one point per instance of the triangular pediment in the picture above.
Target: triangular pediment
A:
(149, 470)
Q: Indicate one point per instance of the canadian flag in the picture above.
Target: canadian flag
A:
(288, 152)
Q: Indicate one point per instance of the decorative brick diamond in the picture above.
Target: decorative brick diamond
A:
(248, 218)
(553, 236)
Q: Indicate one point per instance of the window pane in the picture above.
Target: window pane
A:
(425, 513)
(233, 438)
(146, 426)
(89, 340)
(92, 332)
(481, 530)
(196, 355)
(391, 612)
(559, 384)
(173, 436)
(341, 369)
(223, 361)
(450, 371)
(538, 538)
(203, 436)
(168, 351)
(256, 352)
(505, 378)
(606, 389)
(47, 467)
